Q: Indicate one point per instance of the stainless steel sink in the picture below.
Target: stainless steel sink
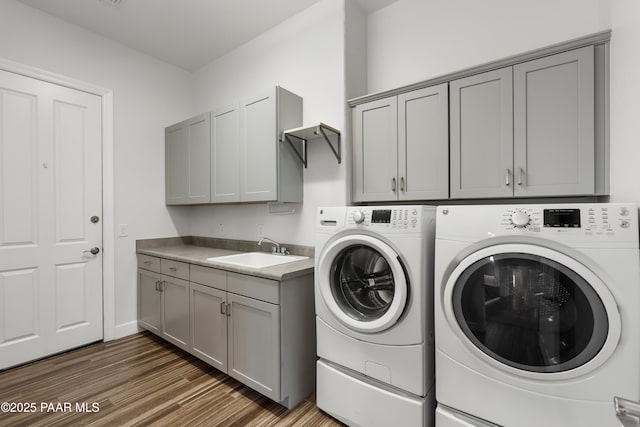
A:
(257, 259)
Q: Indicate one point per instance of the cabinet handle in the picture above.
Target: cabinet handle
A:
(506, 177)
(521, 177)
(402, 183)
(393, 184)
(157, 285)
(173, 268)
(147, 262)
(223, 307)
(161, 285)
(229, 310)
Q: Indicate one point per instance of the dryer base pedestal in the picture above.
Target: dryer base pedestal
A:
(357, 401)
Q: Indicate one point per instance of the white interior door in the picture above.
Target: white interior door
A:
(50, 188)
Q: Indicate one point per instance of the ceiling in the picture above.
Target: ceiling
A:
(186, 33)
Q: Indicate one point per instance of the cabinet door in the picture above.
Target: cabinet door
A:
(254, 344)
(481, 113)
(149, 301)
(209, 325)
(225, 155)
(199, 145)
(375, 151)
(175, 311)
(176, 163)
(554, 125)
(423, 144)
(258, 150)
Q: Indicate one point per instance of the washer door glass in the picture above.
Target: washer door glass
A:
(362, 283)
(530, 312)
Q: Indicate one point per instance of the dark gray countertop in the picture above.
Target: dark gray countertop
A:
(189, 250)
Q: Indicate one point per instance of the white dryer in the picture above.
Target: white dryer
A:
(374, 305)
(536, 314)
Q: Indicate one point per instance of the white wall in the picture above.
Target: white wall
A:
(148, 95)
(305, 55)
(413, 40)
(625, 101)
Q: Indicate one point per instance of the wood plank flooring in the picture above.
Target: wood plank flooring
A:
(136, 381)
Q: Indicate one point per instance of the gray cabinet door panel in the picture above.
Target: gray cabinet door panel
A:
(375, 150)
(423, 144)
(254, 344)
(208, 322)
(481, 115)
(199, 144)
(149, 303)
(258, 148)
(176, 163)
(175, 311)
(554, 125)
(225, 155)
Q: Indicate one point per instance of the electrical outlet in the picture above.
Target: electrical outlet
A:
(221, 229)
(260, 229)
(123, 230)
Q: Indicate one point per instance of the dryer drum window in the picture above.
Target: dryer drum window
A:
(530, 312)
(362, 282)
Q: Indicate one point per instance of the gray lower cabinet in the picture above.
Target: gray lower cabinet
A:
(175, 310)
(401, 147)
(526, 130)
(149, 304)
(254, 344)
(187, 168)
(163, 299)
(258, 331)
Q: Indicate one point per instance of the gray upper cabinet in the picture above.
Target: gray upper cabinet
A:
(270, 170)
(235, 154)
(375, 150)
(198, 167)
(481, 113)
(526, 130)
(423, 137)
(225, 155)
(554, 125)
(187, 169)
(175, 154)
(401, 147)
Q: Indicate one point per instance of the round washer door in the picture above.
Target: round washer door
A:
(363, 283)
(532, 311)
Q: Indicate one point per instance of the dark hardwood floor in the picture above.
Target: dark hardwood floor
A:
(135, 381)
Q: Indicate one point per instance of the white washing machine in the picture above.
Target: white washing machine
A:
(536, 314)
(374, 305)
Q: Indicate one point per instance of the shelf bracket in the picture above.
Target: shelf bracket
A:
(336, 150)
(303, 156)
(304, 134)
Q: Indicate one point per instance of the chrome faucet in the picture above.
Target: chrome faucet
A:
(276, 248)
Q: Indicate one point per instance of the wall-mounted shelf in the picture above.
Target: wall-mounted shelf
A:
(304, 134)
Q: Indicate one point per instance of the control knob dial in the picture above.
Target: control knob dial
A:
(520, 219)
(358, 217)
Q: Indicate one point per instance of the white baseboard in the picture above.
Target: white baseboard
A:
(126, 329)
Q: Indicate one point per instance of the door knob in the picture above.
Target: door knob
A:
(93, 251)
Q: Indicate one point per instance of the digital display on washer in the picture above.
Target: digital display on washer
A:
(381, 216)
(565, 218)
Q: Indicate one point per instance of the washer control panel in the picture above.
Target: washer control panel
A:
(397, 217)
(592, 219)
